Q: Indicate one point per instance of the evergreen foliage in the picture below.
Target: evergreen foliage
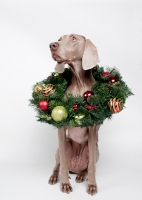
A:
(103, 92)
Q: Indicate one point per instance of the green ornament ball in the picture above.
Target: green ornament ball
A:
(38, 88)
(59, 113)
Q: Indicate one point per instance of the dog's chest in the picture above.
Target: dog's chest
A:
(77, 134)
(77, 162)
(81, 84)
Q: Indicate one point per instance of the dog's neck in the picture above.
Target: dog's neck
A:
(82, 80)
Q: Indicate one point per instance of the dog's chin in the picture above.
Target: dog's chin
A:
(57, 58)
(60, 60)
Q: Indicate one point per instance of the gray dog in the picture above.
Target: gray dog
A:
(78, 149)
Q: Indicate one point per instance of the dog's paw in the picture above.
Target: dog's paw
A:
(80, 178)
(66, 188)
(92, 189)
(53, 179)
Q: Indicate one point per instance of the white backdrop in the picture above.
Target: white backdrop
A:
(27, 147)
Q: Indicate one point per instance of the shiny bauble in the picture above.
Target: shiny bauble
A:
(75, 106)
(56, 74)
(115, 105)
(78, 119)
(59, 113)
(113, 80)
(38, 88)
(48, 90)
(87, 94)
(43, 105)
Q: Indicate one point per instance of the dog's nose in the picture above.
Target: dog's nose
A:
(53, 46)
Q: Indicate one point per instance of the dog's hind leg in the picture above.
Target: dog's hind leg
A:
(54, 177)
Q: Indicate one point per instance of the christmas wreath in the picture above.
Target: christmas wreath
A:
(107, 96)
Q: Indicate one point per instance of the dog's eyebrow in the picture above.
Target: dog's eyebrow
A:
(72, 35)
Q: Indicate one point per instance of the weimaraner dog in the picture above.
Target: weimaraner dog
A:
(78, 149)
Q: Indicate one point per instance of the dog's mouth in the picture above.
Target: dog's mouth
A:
(57, 58)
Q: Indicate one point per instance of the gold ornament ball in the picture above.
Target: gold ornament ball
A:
(77, 119)
(79, 116)
(48, 90)
(56, 74)
(115, 105)
(59, 113)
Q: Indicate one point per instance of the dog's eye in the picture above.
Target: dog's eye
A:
(73, 38)
(59, 39)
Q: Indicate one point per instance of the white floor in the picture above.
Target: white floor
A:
(26, 166)
(30, 182)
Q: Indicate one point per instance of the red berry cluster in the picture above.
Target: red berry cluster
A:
(112, 79)
(106, 74)
(95, 68)
(90, 107)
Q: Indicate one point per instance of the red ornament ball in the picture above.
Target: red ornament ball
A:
(105, 74)
(87, 94)
(113, 80)
(75, 106)
(43, 105)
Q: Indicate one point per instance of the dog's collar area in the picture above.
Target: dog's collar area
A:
(108, 96)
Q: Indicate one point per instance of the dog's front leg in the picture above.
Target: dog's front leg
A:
(65, 184)
(92, 145)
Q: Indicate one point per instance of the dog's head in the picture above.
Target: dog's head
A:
(74, 48)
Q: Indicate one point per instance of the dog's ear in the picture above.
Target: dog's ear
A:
(90, 56)
(60, 67)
